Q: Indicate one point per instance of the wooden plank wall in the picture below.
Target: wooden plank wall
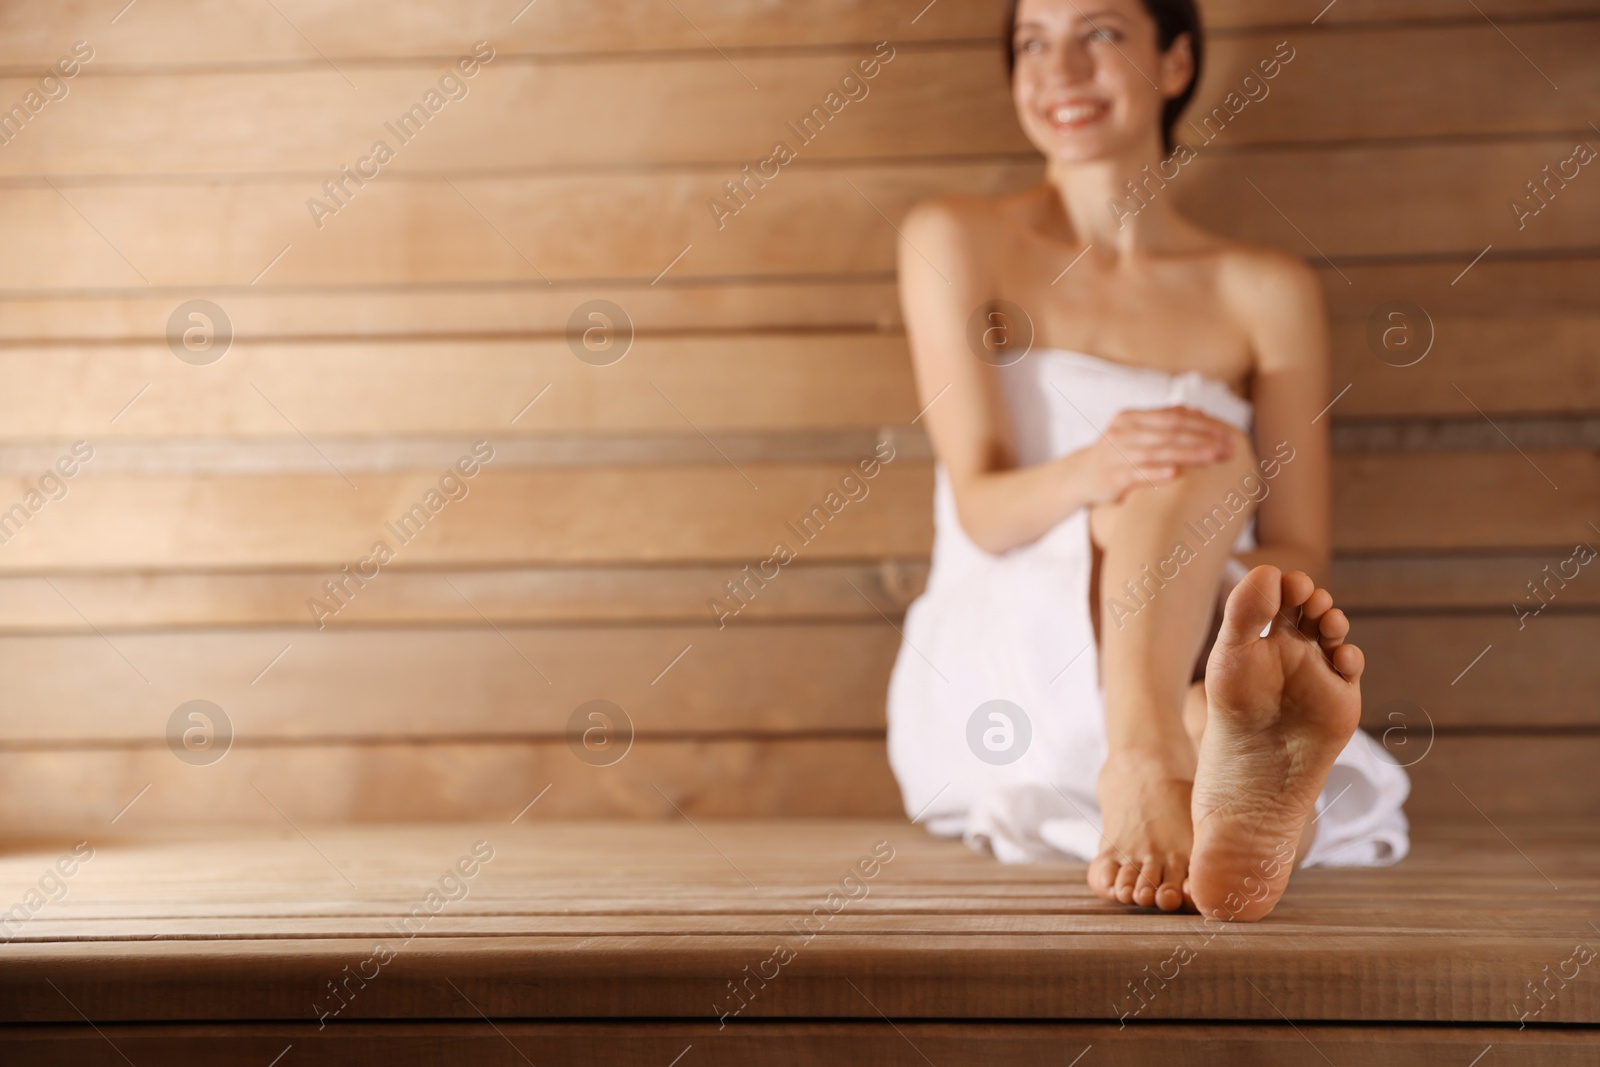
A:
(367, 349)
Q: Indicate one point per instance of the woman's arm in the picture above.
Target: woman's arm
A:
(943, 283)
(1282, 306)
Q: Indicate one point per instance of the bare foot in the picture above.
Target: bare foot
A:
(1148, 835)
(1281, 708)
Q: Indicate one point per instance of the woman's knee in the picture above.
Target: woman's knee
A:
(1229, 484)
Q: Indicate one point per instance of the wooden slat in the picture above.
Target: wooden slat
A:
(70, 791)
(421, 683)
(1450, 284)
(557, 226)
(1291, 14)
(1365, 586)
(1436, 583)
(215, 32)
(722, 383)
(518, 116)
(1557, 286)
(127, 602)
(1463, 500)
(63, 791)
(1428, 941)
(658, 514)
(1470, 363)
(504, 229)
(1424, 671)
(457, 311)
(680, 514)
(445, 388)
(802, 1044)
(282, 679)
(515, 115)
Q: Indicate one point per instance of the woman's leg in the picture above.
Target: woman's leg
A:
(1161, 553)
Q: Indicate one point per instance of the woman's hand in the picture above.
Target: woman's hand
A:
(1141, 448)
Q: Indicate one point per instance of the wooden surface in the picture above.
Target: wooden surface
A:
(654, 919)
(72, 786)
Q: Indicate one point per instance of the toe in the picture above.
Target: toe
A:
(1169, 897)
(1348, 661)
(1103, 876)
(1333, 629)
(1298, 588)
(1145, 886)
(1313, 610)
(1127, 878)
(1253, 603)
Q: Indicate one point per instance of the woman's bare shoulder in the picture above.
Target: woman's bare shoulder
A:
(1256, 277)
(972, 221)
(1273, 294)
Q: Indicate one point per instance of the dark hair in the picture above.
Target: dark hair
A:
(1173, 18)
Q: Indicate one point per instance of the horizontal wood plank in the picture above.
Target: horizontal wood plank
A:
(215, 32)
(727, 383)
(516, 115)
(1339, 202)
(1469, 367)
(1426, 671)
(51, 604)
(67, 791)
(1463, 500)
(1445, 582)
(1523, 287)
(695, 513)
(459, 311)
(662, 514)
(62, 791)
(1366, 585)
(716, 383)
(762, 674)
(471, 681)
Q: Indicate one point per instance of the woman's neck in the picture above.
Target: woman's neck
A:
(1099, 210)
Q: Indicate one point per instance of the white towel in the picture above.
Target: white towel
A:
(1015, 627)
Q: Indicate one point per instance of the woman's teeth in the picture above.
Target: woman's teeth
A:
(1076, 113)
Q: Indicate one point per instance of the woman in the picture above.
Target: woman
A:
(1124, 408)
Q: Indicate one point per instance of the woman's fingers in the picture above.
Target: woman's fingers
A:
(1207, 439)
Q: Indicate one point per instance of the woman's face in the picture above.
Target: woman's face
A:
(1091, 79)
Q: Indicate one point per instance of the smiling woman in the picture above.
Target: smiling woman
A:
(1179, 746)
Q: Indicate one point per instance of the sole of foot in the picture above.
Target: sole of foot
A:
(1280, 708)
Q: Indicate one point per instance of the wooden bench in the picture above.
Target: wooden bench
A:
(741, 771)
